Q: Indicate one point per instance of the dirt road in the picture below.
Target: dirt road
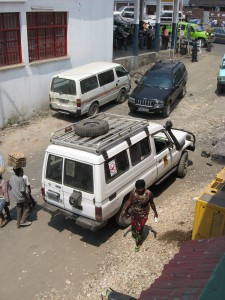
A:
(54, 259)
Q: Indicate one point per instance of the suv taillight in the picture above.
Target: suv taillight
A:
(78, 102)
(98, 214)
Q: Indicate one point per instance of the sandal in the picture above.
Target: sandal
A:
(3, 223)
(137, 248)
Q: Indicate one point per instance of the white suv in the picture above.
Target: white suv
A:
(124, 9)
(91, 166)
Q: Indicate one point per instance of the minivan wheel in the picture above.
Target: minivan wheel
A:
(125, 221)
(167, 110)
(183, 165)
(93, 110)
(122, 96)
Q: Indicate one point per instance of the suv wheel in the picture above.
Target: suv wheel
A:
(167, 110)
(203, 42)
(219, 90)
(183, 165)
(91, 128)
(125, 221)
(183, 92)
(132, 110)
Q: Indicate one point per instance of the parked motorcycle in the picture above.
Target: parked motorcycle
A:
(110, 294)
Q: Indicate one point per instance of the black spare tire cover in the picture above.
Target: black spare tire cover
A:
(91, 128)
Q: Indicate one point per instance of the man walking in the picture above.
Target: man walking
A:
(18, 186)
(195, 51)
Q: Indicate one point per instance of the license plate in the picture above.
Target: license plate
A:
(63, 101)
(144, 109)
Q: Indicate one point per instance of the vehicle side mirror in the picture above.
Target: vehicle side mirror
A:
(136, 81)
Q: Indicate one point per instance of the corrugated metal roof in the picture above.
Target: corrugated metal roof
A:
(186, 275)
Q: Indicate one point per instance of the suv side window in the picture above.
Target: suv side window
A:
(78, 175)
(88, 84)
(54, 168)
(161, 141)
(120, 72)
(139, 151)
(177, 77)
(115, 166)
(106, 77)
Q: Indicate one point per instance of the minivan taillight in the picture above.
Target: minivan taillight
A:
(43, 193)
(98, 214)
(78, 102)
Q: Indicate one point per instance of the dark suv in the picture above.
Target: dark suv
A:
(159, 87)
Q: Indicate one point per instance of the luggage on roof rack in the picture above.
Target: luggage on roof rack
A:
(120, 128)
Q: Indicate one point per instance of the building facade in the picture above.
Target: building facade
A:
(208, 4)
(39, 38)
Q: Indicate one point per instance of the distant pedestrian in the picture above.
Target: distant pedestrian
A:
(4, 202)
(125, 34)
(195, 51)
(28, 190)
(150, 38)
(18, 186)
(141, 35)
(140, 201)
(165, 38)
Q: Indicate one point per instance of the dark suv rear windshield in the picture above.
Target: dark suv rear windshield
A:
(158, 79)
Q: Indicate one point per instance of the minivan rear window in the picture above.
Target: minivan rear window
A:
(63, 86)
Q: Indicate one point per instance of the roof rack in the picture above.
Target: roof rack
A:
(120, 129)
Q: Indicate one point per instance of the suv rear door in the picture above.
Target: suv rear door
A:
(78, 177)
(53, 180)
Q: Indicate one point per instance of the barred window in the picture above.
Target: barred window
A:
(47, 35)
(10, 43)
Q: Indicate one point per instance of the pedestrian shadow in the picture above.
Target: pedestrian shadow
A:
(146, 230)
(34, 212)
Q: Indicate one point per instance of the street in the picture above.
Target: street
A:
(55, 259)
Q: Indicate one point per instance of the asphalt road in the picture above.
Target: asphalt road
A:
(54, 254)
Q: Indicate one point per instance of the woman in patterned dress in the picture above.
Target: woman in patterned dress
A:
(140, 201)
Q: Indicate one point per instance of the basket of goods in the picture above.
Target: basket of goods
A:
(16, 160)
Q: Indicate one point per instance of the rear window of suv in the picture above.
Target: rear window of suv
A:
(158, 79)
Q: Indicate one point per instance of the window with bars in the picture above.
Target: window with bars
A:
(10, 43)
(47, 35)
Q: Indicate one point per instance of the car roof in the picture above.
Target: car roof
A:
(165, 65)
(87, 70)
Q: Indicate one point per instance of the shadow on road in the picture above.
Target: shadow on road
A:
(97, 238)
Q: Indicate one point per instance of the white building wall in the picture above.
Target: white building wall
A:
(24, 87)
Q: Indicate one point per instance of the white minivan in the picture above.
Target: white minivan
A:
(84, 89)
(167, 16)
